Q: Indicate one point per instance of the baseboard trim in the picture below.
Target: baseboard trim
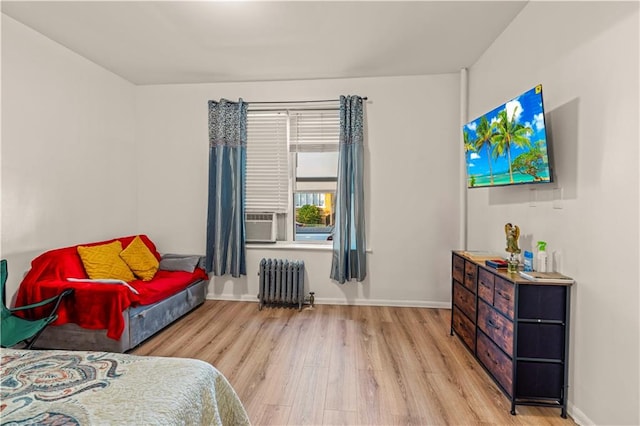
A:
(355, 302)
(232, 297)
(578, 416)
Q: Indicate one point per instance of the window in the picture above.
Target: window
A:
(292, 161)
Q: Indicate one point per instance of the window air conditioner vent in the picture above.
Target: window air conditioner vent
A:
(261, 227)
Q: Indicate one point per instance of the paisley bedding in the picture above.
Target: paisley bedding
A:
(97, 388)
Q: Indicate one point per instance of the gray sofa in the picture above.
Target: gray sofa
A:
(63, 268)
(141, 322)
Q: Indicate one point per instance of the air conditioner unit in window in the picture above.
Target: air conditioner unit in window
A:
(261, 227)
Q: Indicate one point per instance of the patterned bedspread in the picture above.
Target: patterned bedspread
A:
(100, 388)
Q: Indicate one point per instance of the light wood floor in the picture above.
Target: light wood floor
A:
(343, 365)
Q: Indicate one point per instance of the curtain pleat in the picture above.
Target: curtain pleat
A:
(349, 244)
(225, 251)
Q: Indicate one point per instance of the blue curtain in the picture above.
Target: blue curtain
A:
(226, 252)
(349, 245)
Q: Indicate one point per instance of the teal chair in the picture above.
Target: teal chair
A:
(14, 329)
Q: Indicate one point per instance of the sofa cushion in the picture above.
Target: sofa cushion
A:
(104, 261)
(178, 262)
(127, 240)
(140, 260)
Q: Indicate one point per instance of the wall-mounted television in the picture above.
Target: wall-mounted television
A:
(508, 145)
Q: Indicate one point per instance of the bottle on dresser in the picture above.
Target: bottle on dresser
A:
(541, 258)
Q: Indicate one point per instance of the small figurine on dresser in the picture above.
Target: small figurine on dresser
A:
(513, 234)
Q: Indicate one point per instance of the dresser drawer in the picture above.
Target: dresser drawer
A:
(497, 327)
(537, 378)
(465, 301)
(545, 302)
(498, 364)
(458, 269)
(464, 328)
(503, 296)
(470, 276)
(539, 340)
(485, 285)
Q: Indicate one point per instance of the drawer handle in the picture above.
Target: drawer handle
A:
(491, 359)
(493, 324)
(469, 275)
(482, 283)
(504, 296)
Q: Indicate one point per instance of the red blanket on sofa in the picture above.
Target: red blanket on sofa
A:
(96, 306)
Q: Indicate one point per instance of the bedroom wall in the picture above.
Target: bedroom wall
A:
(412, 190)
(68, 134)
(585, 54)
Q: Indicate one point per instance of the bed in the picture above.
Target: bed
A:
(87, 388)
(112, 315)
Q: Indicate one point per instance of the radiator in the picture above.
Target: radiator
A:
(281, 282)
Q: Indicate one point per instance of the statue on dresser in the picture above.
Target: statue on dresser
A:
(513, 233)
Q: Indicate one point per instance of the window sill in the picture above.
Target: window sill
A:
(290, 245)
(286, 245)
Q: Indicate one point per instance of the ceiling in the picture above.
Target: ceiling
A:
(172, 42)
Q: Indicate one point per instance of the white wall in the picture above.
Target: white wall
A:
(585, 54)
(412, 188)
(68, 159)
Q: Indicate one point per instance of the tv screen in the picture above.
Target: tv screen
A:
(508, 145)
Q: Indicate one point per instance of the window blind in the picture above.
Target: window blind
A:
(315, 131)
(267, 178)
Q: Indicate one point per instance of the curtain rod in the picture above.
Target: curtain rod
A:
(364, 98)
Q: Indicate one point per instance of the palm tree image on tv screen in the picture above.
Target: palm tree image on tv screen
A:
(508, 145)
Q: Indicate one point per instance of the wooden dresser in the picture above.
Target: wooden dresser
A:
(517, 329)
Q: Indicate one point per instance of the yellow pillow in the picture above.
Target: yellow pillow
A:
(140, 259)
(104, 261)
